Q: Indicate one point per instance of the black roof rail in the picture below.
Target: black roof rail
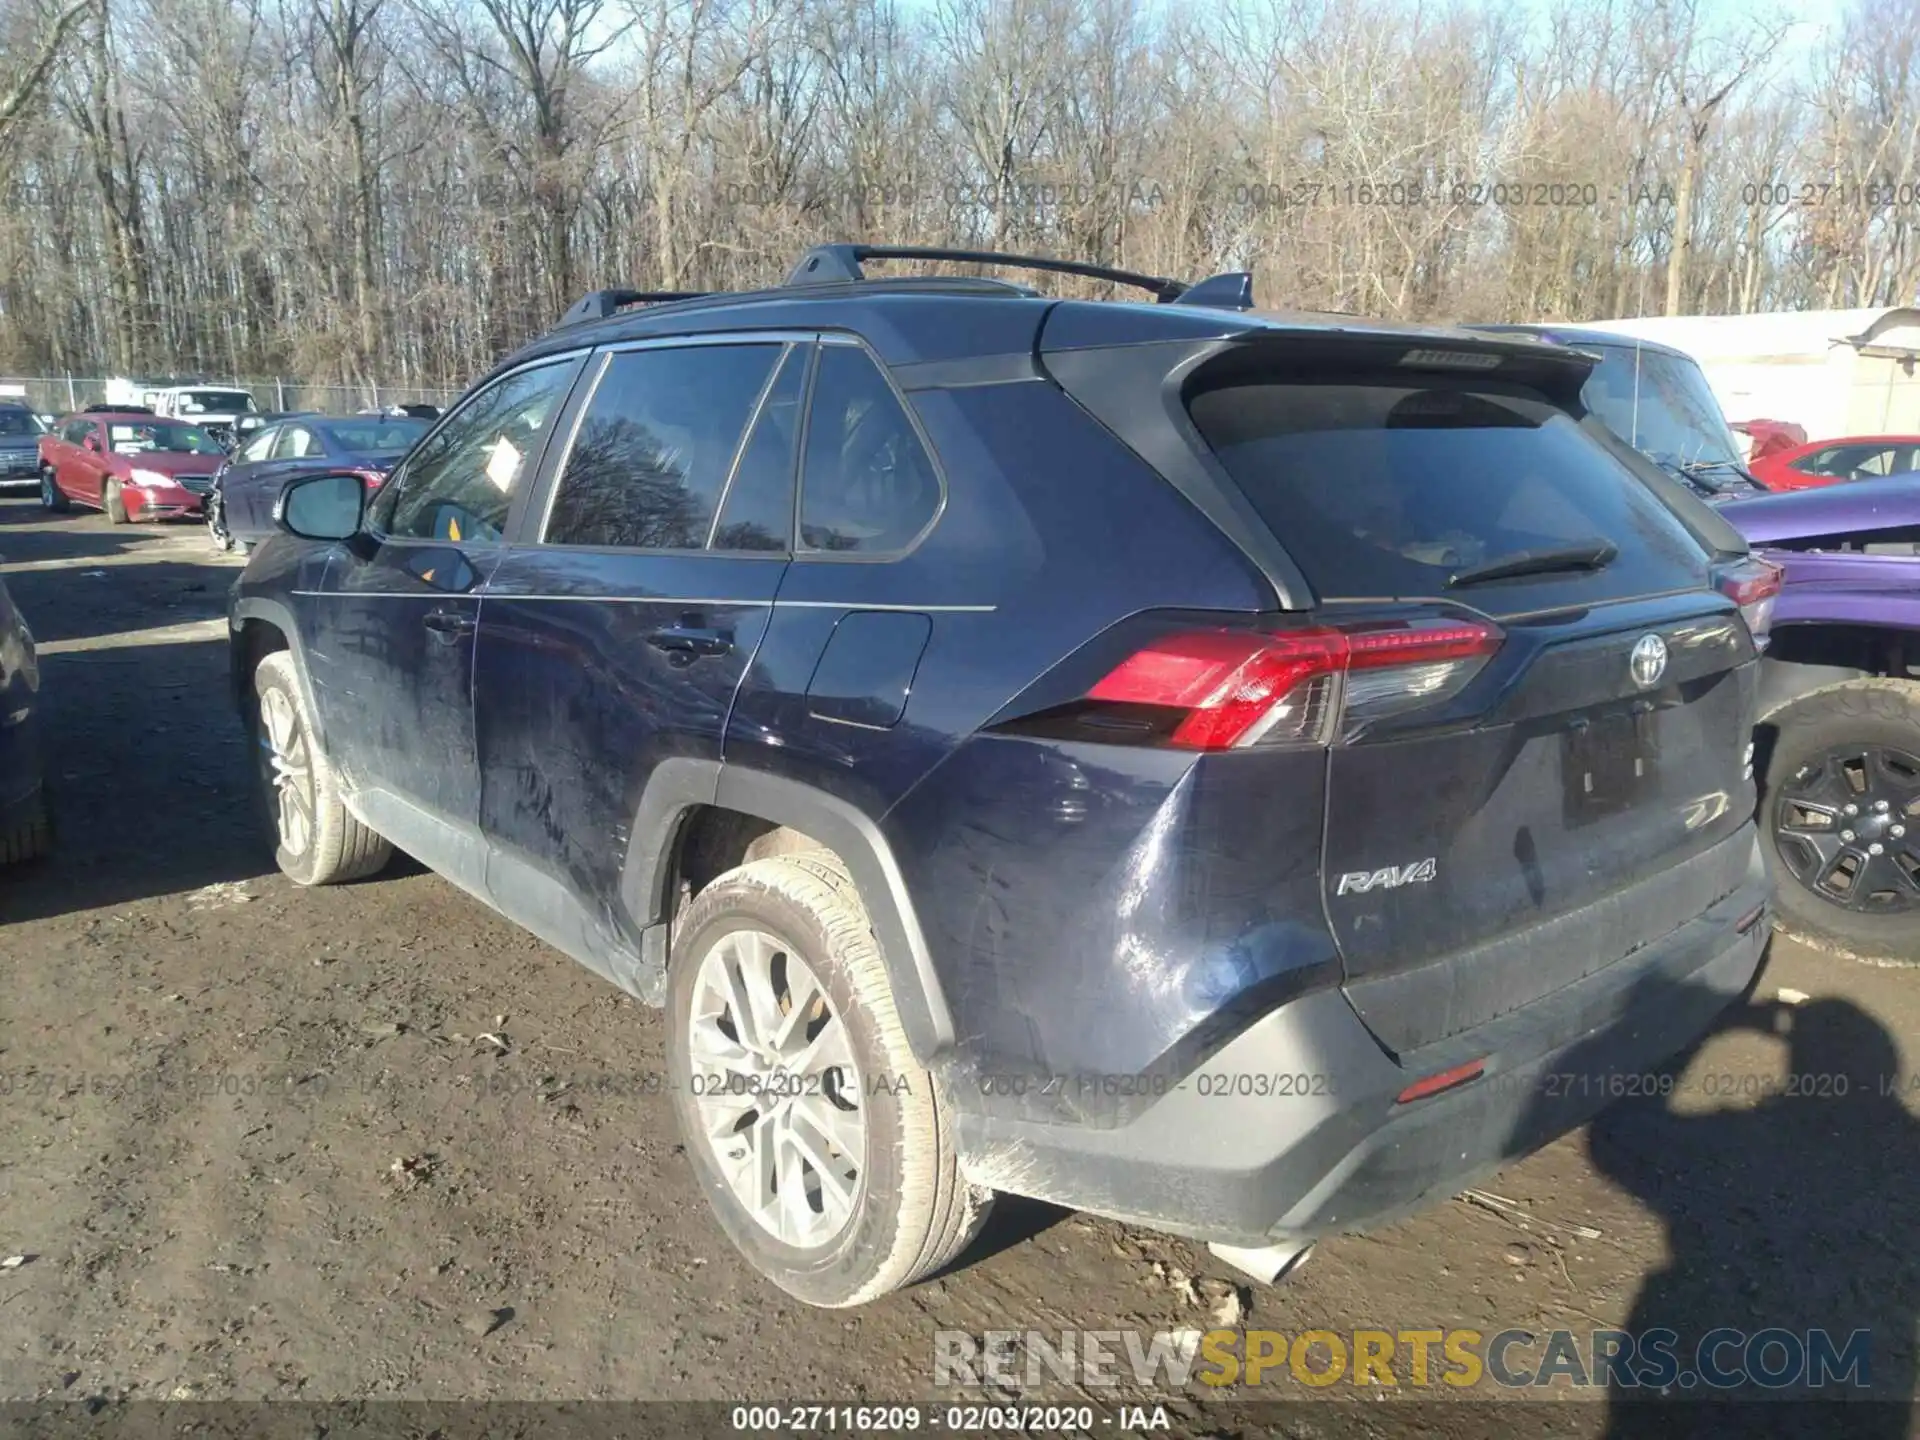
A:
(1230, 291)
(824, 263)
(602, 303)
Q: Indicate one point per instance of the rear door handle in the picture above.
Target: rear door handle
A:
(684, 642)
(449, 625)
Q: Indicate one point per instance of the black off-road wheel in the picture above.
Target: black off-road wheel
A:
(316, 842)
(1840, 818)
(52, 497)
(824, 1147)
(113, 504)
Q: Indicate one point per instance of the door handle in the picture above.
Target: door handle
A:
(686, 642)
(449, 625)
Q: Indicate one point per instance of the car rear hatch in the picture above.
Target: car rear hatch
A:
(1537, 714)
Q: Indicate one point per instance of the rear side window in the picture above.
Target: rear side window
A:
(656, 445)
(1388, 488)
(868, 486)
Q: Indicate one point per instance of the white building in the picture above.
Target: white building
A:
(1836, 372)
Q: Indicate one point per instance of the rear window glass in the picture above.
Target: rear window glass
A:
(1658, 403)
(1388, 488)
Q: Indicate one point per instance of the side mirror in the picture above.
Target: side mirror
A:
(91, 443)
(322, 507)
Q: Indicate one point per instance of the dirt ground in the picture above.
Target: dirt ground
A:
(373, 1141)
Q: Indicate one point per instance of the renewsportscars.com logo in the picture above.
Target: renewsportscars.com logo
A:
(1651, 1360)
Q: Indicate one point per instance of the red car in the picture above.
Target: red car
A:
(1770, 437)
(1827, 462)
(131, 466)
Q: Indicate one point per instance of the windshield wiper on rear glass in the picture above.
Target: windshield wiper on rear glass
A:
(1586, 555)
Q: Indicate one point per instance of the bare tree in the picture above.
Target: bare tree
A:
(372, 192)
(30, 76)
(1702, 70)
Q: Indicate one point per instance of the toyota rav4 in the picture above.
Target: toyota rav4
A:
(1243, 774)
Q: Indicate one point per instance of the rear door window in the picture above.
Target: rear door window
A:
(1389, 487)
(757, 511)
(656, 446)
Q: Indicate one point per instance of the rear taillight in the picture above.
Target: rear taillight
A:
(1235, 688)
(1753, 584)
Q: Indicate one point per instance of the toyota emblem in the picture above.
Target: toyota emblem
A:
(1648, 661)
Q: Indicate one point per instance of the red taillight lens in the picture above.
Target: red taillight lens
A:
(1242, 688)
(1753, 584)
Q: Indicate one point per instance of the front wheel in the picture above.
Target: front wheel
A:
(52, 497)
(316, 842)
(114, 504)
(1840, 817)
(824, 1147)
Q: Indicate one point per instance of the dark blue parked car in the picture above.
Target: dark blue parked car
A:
(1245, 775)
(240, 508)
(1657, 399)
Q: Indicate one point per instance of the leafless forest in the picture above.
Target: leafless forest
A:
(399, 190)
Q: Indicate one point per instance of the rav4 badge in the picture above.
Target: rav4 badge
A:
(1390, 877)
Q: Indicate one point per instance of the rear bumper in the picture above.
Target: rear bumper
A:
(1293, 1130)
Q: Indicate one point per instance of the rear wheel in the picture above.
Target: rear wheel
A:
(824, 1147)
(113, 504)
(52, 497)
(1841, 818)
(316, 842)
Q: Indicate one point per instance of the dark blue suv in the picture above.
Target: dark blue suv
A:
(1243, 774)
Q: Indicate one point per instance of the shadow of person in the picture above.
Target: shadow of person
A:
(1789, 1197)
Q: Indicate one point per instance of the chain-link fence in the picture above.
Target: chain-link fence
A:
(62, 394)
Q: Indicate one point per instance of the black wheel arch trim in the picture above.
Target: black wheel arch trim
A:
(678, 785)
(271, 612)
(1784, 681)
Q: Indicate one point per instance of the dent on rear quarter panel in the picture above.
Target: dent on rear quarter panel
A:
(1104, 916)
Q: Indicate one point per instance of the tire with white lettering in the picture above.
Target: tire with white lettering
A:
(825, 1149)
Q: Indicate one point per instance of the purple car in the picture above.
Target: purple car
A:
(1839, 737)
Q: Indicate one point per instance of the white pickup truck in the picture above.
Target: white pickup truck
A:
(216, 409)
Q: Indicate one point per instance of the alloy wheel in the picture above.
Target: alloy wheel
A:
(288, 768)
(1848, 828)
(777, 1088)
